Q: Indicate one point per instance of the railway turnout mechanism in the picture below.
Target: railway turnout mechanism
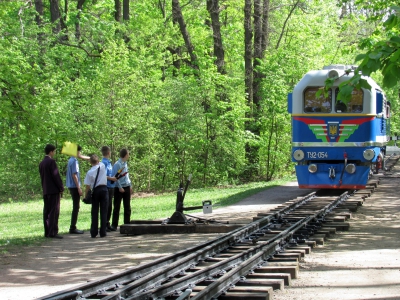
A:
(248, 262)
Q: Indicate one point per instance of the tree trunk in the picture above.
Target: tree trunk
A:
(265, 26)
(251, 151)
(284, 23)
(79, 7)
(39, 22)
(126, 10)
(64, 18)
(214, 10)
(118, 10)
(39, 10)
(269, 150)
(161, 5)
(258, 34)
(55, 16)
(248, 55)
(177, 15)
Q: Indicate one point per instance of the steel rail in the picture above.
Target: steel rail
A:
(251, 255)
(262, 252)
(160, 275)
(267, 250)
(154, 272)
(388, 158)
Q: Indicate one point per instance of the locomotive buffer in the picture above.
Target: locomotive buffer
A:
(178, 222)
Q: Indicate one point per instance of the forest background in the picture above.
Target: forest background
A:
(189, 87)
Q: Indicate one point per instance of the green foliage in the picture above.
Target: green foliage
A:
(382, 52)
(130, 84)
(21, 223)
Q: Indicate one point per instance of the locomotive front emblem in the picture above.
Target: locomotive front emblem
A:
(333, 130)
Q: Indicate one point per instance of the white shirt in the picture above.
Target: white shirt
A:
(91, 176)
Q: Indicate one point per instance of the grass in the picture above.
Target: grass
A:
(21, 223)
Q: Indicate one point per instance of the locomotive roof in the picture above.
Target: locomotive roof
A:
(318, 77)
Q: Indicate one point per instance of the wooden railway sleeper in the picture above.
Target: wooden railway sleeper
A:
(265, 249)
(238, 236)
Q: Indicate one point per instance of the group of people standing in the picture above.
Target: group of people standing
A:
(106, 181)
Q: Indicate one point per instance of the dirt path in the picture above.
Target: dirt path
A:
(362, 263)
(367, 267)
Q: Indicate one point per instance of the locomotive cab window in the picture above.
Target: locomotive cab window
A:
(355, 105)
(312, 104)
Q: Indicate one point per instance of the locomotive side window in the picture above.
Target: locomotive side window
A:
(355, 105)
(312, 104)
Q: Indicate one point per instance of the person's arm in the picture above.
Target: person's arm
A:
(115, 169)
(77, 183)
(57, 177)
(88, 182)
(84, 157)
(86, 190)
(111, 178)
(130, 187)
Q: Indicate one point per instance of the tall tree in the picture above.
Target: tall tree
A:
(79, 8)
(214, 11)
(118, 10)
(177, 15)
(55, 16)
(248, 52)
(126, 10)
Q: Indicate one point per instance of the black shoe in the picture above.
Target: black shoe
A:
(112, 228)
(56, 237)
(76, 231)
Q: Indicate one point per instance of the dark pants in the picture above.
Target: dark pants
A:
(110, 198)
(99, 201)
(76, 199)
(51, 213)
(126, 197)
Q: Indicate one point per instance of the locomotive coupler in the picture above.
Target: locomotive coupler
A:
(332, 173)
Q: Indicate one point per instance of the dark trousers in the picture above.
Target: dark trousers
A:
(126, 197)
(51, 213)
(76, 199)
(99, 202)
(110, 202)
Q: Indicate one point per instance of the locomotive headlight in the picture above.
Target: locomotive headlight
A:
(312, 168)
(298, 154)
(333, 74)
(351, 168)
(369, 154)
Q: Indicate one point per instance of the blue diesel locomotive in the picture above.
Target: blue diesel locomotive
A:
(336, 145)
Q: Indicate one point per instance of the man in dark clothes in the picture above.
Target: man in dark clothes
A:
(52, 189)
(96, 179)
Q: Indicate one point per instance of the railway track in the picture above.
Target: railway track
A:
(249, 262)
(264, 253)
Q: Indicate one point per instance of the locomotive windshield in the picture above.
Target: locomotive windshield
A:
(354, 106)
(322, 104)
(312, 104)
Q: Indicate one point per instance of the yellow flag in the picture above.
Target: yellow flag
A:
(70, 149)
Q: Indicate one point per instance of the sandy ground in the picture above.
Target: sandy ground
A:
(362, 263)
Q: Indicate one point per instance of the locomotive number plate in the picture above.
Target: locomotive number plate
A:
(317, 154)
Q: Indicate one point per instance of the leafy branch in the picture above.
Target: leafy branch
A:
(383, 56)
